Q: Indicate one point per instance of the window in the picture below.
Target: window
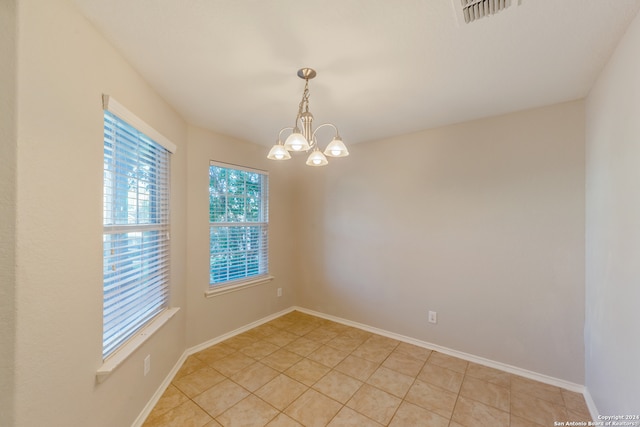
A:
(136, 230)
(238, 224)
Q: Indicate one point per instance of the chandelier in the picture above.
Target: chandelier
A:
(305, 139)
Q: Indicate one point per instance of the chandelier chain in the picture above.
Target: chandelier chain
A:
(304, 103)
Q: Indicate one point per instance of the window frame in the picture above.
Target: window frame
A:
(262, 275)
(115, 355)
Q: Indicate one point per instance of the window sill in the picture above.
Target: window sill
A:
(225, 289)
(113, 361)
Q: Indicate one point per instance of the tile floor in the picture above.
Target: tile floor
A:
(300, 370)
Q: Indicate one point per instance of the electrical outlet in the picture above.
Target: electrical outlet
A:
(279, 292)
(433, 317)
(147, 364)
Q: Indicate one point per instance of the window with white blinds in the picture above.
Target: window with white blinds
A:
(136, 231)
(238, 224)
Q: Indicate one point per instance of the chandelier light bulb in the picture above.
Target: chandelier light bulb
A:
(278, 152)
(316, 158)
(336, 148)
(296, 142)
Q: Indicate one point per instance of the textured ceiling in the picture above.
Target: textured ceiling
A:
(384, 67)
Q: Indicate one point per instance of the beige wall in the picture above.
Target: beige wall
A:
(482, 222)
(7, 207)
(64, 68)
(613, 232)
(209, 318)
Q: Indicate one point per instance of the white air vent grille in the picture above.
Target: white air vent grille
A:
(476, 9)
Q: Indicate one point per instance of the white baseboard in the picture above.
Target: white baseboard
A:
(578, 388)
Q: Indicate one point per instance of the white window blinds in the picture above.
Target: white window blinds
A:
(238, 223)
(136, 231)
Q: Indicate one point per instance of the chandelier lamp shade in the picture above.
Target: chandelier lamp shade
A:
(302, 136)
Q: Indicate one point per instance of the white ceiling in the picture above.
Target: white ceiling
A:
(385, 67)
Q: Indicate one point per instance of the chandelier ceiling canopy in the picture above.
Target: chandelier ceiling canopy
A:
(304, 138)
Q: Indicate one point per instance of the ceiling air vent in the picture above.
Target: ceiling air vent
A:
(476, 9)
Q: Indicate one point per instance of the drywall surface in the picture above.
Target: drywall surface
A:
(482, 222)
(211, 317)
(64, 68)
(8, 151)
(613, 232)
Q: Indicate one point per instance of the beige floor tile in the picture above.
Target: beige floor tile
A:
(352, 332)
(302, 346)
(281, 338)
(383, 342)
(575, 403)
(320, 372)
(307, 371)
(259, 349)
(321, 335)
(198, 381)
(171, 398)
(313, 409)
(302, 328)
(280, 323)
(190, 365)
(187, 414)
(409, 415)
(442, 377)
(338, 386)
(233, 363)
(391, 381)
(345, 342)
(374, 403)
(521, 422)
(335, 327)
(490, 375)
(213, 353)
(537, 410)
(254, 376)
(432, 398)
(356, 367)
(240, 341)
(250, 411)
(328, 356)
(403, 363)
(537, 389)
(281, 391)
(579, 416)
(487, 393)
(281, 360)
(449, 362)
(470, 413)
(220, 397)
(283, 420)
(347, 417)
(263, 330)
(414, 351)
(372, 352)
